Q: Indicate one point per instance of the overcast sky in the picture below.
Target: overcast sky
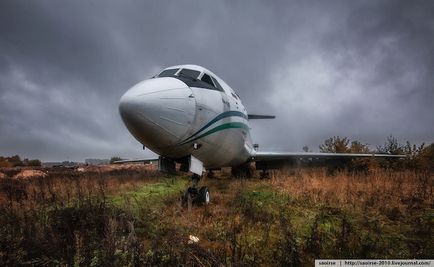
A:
(362, 69)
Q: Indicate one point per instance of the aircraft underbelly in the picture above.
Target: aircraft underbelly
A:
(227, 149)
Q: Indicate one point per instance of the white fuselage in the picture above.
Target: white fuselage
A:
(177, 116)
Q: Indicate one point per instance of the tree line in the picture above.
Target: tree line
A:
(16, 161)
(419, 157)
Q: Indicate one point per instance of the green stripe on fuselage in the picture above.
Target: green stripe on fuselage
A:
(231, 113)
(229, 125)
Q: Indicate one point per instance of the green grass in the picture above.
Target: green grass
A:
(154, 193)
(250, 222)
(261, 203)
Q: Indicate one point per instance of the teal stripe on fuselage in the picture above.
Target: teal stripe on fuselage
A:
(217, 118)
(229, 125)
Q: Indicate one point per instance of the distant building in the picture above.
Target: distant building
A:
(97, 161)
(51, 164)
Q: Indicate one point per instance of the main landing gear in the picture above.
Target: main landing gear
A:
(193, 194)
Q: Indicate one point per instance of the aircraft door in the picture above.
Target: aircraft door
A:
(208, 106)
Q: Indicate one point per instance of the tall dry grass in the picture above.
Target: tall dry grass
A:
(290, 219)
(63, 186)
(379, 187)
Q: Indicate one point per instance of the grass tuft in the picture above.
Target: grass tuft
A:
(133, 217)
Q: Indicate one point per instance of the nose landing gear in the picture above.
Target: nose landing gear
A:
(193, 194)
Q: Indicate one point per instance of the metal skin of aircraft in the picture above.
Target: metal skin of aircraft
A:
(188, 115)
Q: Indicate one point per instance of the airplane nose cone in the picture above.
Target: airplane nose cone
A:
(158, 112)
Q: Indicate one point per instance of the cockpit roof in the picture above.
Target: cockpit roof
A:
(193, 67)
(189, 66)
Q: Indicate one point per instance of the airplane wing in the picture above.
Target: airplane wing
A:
(259, 117)
(149, 160)
(270, 156)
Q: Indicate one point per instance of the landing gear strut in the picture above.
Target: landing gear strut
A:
(193, 194)
(210, 174)
(264, 174)
(264, 167)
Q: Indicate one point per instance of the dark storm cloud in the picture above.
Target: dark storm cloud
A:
(361, 69)
(365, 74)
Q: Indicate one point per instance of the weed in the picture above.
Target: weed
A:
(133, 218)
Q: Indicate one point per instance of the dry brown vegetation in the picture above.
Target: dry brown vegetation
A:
(116, 216)
(380, 187)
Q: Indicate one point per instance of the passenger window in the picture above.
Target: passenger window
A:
(206, 78)
(217, 84)
(168, 73)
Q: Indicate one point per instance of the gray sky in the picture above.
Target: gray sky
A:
(362, 69)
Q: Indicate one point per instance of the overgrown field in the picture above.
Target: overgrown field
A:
(134, 217)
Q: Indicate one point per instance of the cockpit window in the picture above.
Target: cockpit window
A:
(168, 73)
(206, 78)
(189, 73)
(190, 78)
(217, 84)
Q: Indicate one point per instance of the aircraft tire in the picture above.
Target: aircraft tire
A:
(204, 195)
